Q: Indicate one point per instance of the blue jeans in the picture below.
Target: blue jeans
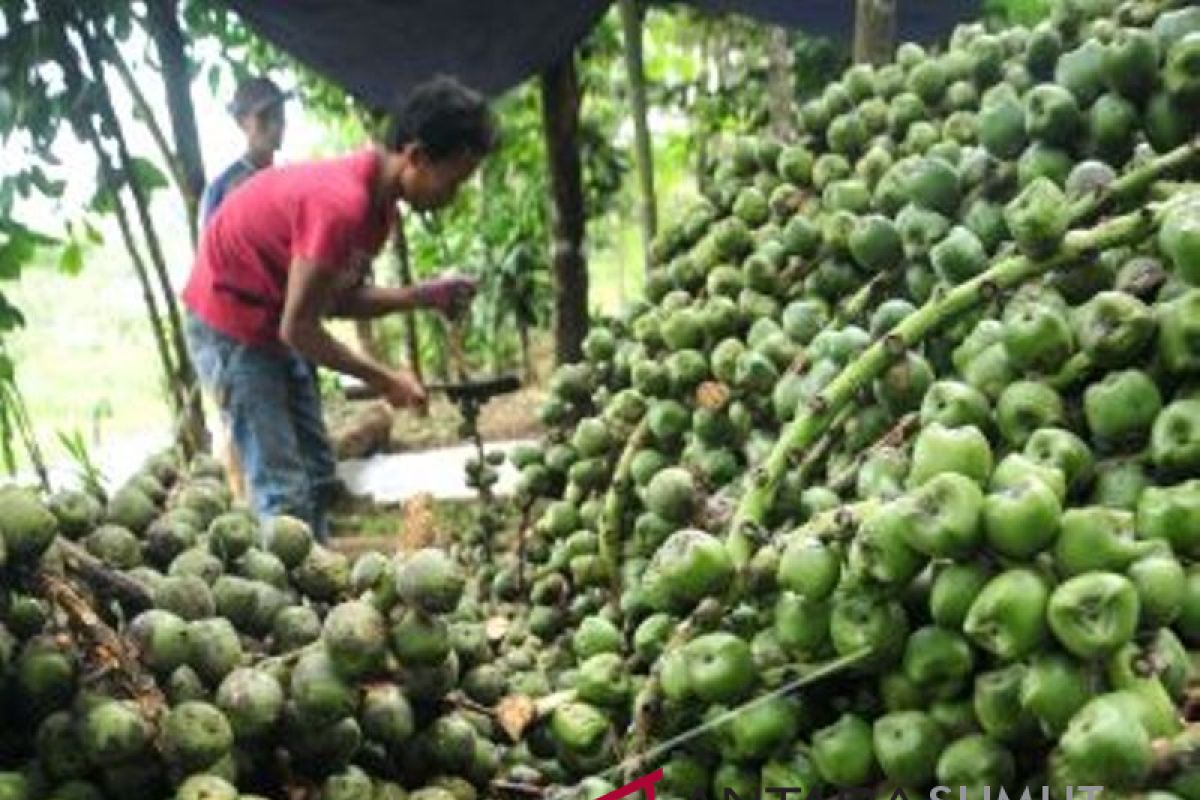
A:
(272, 405)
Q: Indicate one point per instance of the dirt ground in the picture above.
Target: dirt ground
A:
(512, 416)
(506, 417)
(360, 525)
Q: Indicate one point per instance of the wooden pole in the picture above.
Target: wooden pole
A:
(632, 16)
(874, 31)
(560, 122)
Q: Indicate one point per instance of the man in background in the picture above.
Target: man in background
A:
(257, 107)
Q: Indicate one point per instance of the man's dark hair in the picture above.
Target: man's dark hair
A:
(444, 117)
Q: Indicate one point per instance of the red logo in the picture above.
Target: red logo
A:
(642, 784)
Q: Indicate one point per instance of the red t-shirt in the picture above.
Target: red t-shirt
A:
(320, 211)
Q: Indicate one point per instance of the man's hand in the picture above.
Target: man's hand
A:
(449, 294)
(402, 390)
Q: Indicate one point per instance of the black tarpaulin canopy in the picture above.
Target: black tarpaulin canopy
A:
(377, 49)
(916, 20)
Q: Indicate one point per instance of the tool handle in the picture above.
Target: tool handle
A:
(482, 389)
(361, 391)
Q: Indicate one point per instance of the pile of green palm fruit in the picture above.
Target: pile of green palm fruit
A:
(916, 392)
(242, 660)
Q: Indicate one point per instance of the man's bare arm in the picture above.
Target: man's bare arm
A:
(311, 291)
(368, 302)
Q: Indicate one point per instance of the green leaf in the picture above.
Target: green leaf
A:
(40, 239)
(14, 255)
(122, 25)
(71, 442)
(49, 188)
(92, 233)
(6, 197)
(147, 175)
(103, 201)
(70, 260)
(7, 108)
(7, 434)
(10, 319)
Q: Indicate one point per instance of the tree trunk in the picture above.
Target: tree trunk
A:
(632, 15)
(163, 16)
(560, 121)
(76, 80)
(191, 420)
(367, 431)
(781, 91)
(443, 364)
(874, 31)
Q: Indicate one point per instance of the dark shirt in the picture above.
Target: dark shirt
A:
(222, 185)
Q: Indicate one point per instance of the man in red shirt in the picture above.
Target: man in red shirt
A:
(293, 246)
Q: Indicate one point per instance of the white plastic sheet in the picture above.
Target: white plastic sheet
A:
(395, 477)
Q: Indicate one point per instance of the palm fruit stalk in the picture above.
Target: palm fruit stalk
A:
(610, 527)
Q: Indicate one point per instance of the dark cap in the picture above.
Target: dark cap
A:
(254, 95)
